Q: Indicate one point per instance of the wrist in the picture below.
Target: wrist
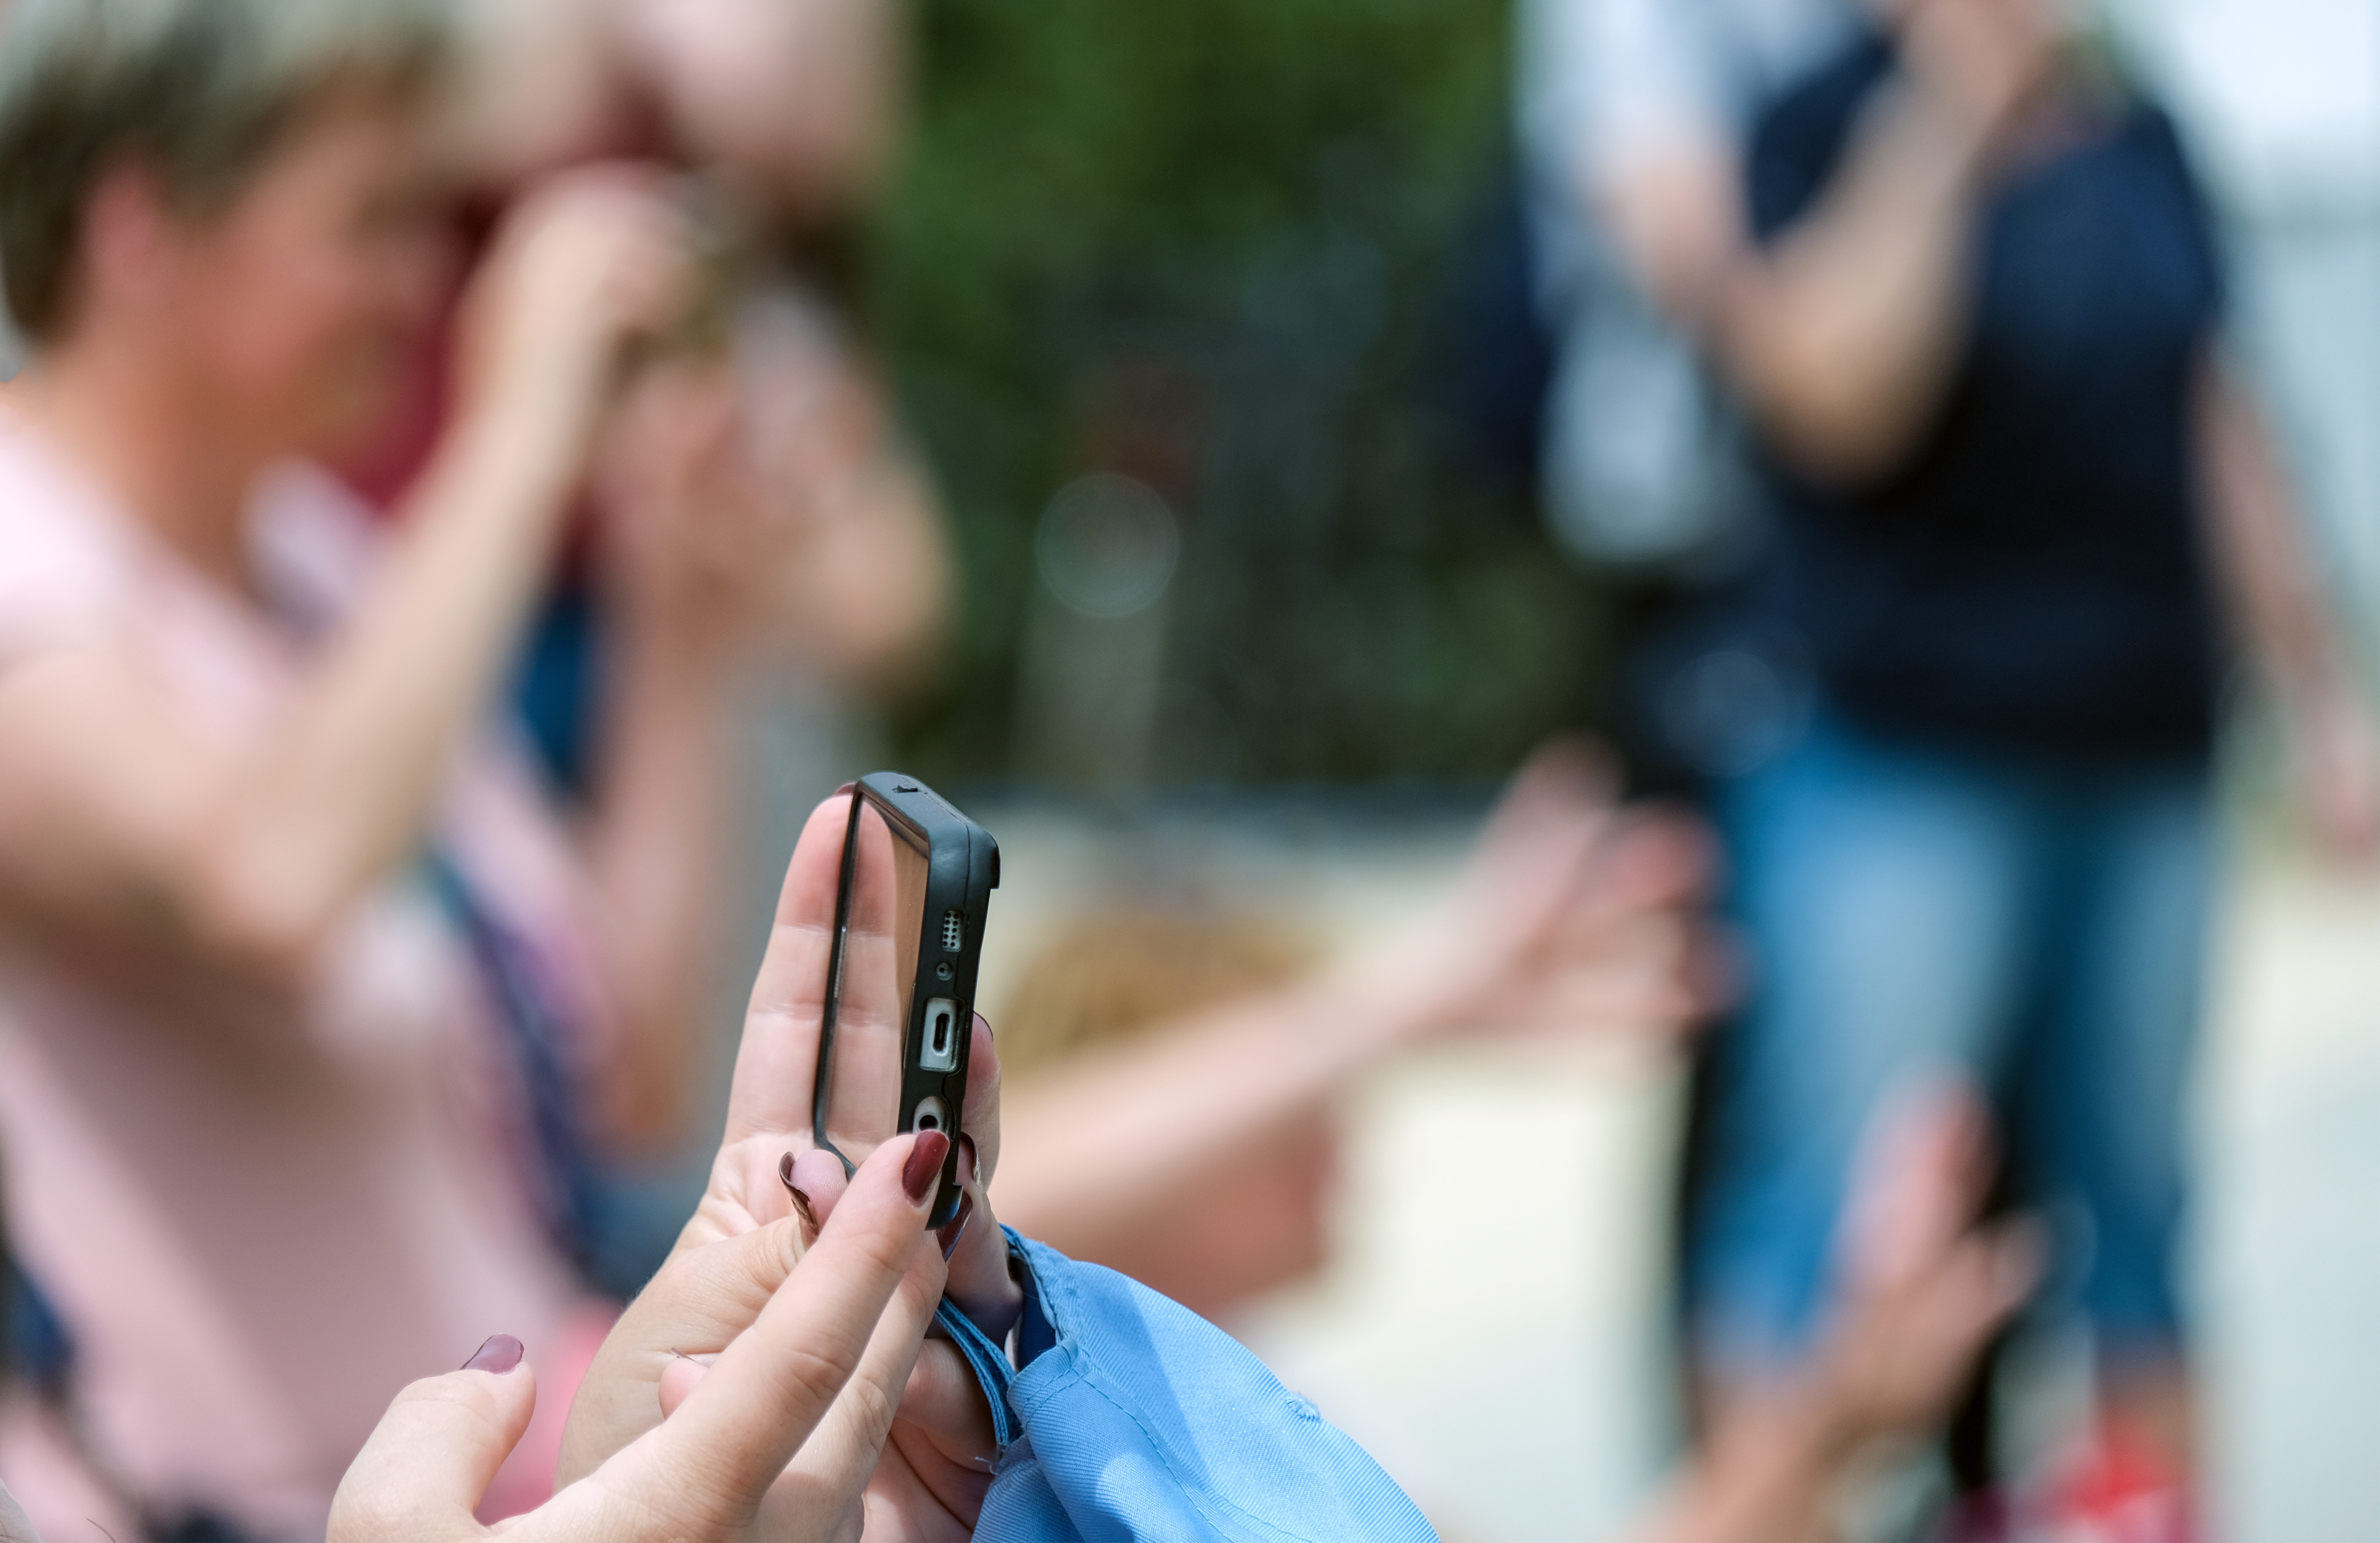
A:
(526, 442)
(1806, 1427)
(1379, 1004)
(683, 651)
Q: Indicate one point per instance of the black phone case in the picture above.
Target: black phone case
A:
(961, 869)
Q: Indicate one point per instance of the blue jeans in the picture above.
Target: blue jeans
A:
(2034, 924)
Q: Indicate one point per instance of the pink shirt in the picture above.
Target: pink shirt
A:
(259, 1217)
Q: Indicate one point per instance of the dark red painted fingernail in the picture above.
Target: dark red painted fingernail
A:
(500, 1355)
(956, 1228)
(801, 1199)
(924, 1162)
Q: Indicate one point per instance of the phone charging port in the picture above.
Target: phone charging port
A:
(940, 1048)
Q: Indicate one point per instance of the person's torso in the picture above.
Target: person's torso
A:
(260, 1213)
(2031, 576)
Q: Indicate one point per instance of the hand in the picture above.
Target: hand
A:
(1923, 1288)
(757, 502)
(2335, 754)
(932, 1475)
(1980, 62)
(779, 1440)
(1569, 913)
(590, 260)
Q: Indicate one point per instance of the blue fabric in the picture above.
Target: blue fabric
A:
(1137, 1418)
(35, 1346)
(538, 1034)
(2031, 576)
(2037, 925)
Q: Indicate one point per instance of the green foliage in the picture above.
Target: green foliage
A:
(1219, 246)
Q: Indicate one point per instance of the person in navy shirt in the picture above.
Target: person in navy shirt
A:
(1968, 290)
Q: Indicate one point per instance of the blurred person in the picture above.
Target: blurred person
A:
(1172, 1078)
(776, 119)
(313, 1009)
(1967, 287)
(782, 117)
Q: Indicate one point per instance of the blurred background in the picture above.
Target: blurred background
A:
(1215, 320)
(1292, 495)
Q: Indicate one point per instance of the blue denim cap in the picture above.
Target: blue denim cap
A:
(1134, 1417)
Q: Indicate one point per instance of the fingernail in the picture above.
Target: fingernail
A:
(500, 1355)
(924, 1162)
(956, 1228)
(801, 1200)
(844, 789)
(987, 1024)
(968, 1168)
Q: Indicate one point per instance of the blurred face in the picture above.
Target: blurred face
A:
(798, 94)
(290, 313)
(2057, 16)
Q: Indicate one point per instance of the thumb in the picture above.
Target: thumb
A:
(428, 1462)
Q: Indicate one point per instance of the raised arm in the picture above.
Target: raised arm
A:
(1568, 915)
(115, 808)
(1842, 335)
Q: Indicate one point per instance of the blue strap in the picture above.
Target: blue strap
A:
(992, 1370)
(537, 1035)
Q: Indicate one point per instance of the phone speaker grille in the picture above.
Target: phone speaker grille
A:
(954, 931)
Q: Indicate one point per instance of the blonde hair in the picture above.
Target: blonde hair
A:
(198, 89)
(1108, 979)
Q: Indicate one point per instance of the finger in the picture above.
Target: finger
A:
(1650, 858)
(819, 1177)
(944, 1401)
(980, 1118)
(981, 1283)
(702, 1297)
(839, 1458)
(771, 1388)
(1981, 1285)
(1567, 772)
(679, 1378)
(777, 1062)
(1561, 795)
(1921, 1174)
(872, 1009)
(422, 1471)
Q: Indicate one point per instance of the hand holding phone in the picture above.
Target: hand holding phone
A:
(915, 885)
(772, 1169)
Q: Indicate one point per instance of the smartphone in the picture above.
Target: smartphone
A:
(915, 885)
